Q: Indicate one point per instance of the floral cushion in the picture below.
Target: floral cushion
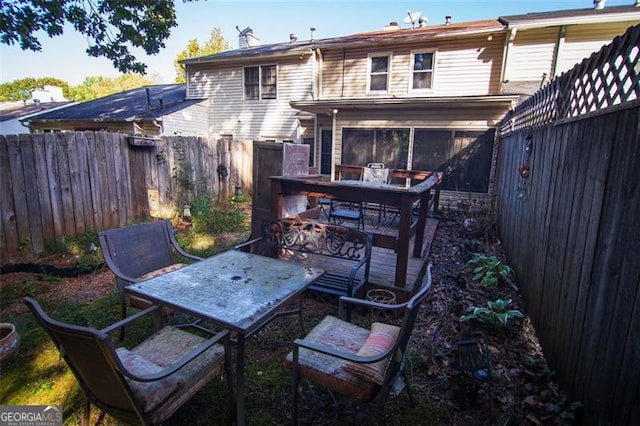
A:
(149, 394)
(381, 338)
(161, 271)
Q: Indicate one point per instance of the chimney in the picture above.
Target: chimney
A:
(246, 38)
(447, 20)
(293, 38)
(598, 4)
(392, 26)
(313, 30)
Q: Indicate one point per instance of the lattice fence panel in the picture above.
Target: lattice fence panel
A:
(607, 78)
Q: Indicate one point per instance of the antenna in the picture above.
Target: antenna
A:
(411, 18)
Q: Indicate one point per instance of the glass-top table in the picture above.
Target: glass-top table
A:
(236, 290)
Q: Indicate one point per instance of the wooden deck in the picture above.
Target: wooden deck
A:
(383, 261)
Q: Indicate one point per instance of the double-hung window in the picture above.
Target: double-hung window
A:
(422, 70)
(260, 82)
(379, 73)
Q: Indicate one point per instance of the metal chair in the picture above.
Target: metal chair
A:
(145, 384)
(355, 361)
(375, 173)
(341, 211)
(140, 252)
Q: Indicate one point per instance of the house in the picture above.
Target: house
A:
(427, 98)
(147, 111)
(12, 113)
(541, 46)
(46, 98)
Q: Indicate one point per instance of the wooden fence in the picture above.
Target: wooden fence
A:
(568, 211)
(57, 185)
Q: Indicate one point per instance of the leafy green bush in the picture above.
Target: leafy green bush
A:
(494, 314)
(215, 221)
(488, 269)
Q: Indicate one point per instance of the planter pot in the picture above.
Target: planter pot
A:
(9, 340)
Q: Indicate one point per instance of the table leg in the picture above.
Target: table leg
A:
(404, 235)
(240, 381)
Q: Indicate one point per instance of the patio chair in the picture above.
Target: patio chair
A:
(139, 252)
(145, 384)
(375, 173)
(355, 361)
(341, 211)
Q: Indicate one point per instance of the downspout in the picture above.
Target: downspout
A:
(318, 64)
(334, 115)
(159, 126)
(508, 43)
(559, 49)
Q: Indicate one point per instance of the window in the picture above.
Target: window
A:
(378, 73)
(260, 82)
(464, 156)
(422, 71)
(388, 146)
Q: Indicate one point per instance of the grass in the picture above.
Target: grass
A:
(39, 376)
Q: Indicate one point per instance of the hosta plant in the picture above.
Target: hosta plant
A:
(494, 314)
(488, 269)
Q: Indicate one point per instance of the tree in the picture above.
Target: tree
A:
(112, 27)
(98, 86)
(215, 44)
(18, 90)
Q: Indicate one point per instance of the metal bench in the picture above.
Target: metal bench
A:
(311, 243)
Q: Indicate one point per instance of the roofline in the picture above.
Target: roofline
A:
(367, 38)
(569, 20)
(209, 59)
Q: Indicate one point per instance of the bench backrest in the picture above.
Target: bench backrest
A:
(318, 238)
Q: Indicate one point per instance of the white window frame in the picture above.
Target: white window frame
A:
(412, 71)
(370, 57)
(260, 82)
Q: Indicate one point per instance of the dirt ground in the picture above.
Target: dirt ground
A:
(520, 389)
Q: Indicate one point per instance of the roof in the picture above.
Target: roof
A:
(573, 16)
(455, 29)
(143, 103)
(368, 38)
(11, 110)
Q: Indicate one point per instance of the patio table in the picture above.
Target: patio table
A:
(235, 290)
(403, 197)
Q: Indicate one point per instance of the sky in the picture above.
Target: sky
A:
(64, 57)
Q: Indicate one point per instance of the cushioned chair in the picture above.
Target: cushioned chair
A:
(354, 361)
(139, 252)
(145, 384)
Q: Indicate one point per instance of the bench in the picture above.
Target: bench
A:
(310, 243)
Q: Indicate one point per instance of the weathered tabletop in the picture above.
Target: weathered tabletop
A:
(236, 290)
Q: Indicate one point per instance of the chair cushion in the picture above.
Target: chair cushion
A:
(328, 370)
(381, 339)
(149, 394)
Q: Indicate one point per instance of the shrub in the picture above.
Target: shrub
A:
(494, 314)
(488, 269)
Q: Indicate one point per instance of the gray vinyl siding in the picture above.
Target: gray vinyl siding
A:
(190, 121)
(230, 113)
(465, 66)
